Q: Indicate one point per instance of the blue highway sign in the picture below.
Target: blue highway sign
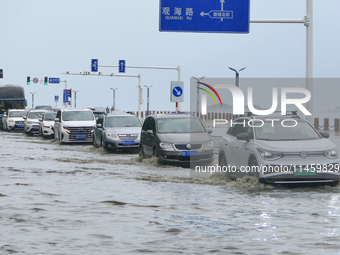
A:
(56, 98)
(219, 16)
(121, 66)
(54, 80)
(94, 65)
(65, 96)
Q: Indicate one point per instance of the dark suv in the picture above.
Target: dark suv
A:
(176, 138)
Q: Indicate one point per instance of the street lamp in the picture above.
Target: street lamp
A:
(148, 87)
(32, 99)
(237, 75)
(114, 98)
(75, 98)
(198, 95)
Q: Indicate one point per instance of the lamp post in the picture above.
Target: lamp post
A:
(148, 87)
(237, 75)
(198, 95)
(114, 99)
(32, 99)
(75, 98)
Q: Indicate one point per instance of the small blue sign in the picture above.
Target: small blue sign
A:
(56, 98)
(65, 96)
(177, 91)
(54, 80)
(218, 16)
(121, 66)
(94, 65)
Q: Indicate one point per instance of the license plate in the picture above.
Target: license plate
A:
(189, 153)
(79, 137)
(20, 125)
(304, 170)
(128, 142)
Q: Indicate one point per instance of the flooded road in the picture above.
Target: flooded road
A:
(77, 199)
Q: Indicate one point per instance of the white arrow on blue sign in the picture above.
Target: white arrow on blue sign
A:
(121, 66)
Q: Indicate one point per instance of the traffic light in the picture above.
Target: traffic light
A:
(1, 73)
(70, 93)
(46, 81)
(28, 80)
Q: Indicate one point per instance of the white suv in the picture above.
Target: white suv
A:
(74, 125)
(31, 121)
(280, 149)
(13, 119)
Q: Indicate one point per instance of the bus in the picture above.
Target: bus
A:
(11, 97)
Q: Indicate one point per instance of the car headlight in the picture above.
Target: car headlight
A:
(29, 122)
(270, 155)
(208, 145)
(11, 121)
(65, 129)
(47, 126)
(166, 146)
(331, 153)
(110, 134)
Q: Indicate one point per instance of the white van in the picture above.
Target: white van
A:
(74, 125)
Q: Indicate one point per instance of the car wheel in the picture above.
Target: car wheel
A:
(253, 163)
(94, 142)
(222, 162)
(141, 153)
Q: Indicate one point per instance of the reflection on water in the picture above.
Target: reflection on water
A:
(76, 199)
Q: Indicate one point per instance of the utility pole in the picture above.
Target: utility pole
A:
(148, 98)
(32, 99)
(75, 98)
(114, 99)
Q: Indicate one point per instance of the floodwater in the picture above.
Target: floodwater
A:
(77, 199)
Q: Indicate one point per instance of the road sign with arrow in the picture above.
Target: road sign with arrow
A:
(218, 16)
(176, 91)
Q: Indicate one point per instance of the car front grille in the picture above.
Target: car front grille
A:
(183, 147)
(19, 122)
(77, 131)
(128, 137)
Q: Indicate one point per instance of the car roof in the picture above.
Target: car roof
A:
(173, 116)
(38, 110)
(76, 110)
(119, 114)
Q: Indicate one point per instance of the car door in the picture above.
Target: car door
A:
(147, 136)
(239, 149)
(98, 131)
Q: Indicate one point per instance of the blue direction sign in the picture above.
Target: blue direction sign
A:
(65, 96)
(177, 91)
(94, 65)
(219, 16)
(54, 80)
(56, 98)
(121, 66)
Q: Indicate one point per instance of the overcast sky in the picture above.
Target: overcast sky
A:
(47, 38)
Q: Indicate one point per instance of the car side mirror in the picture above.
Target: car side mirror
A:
(150, 132)
(24, 117)
(324, 134)
(243, 137)
(99, 125)
(209, 131)
(40, 119)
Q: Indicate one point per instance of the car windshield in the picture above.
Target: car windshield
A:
(35, 115)
(122, 121)
(275, 131)
(78, 116)
(50, 116)
(16, 114)
(180, 125)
